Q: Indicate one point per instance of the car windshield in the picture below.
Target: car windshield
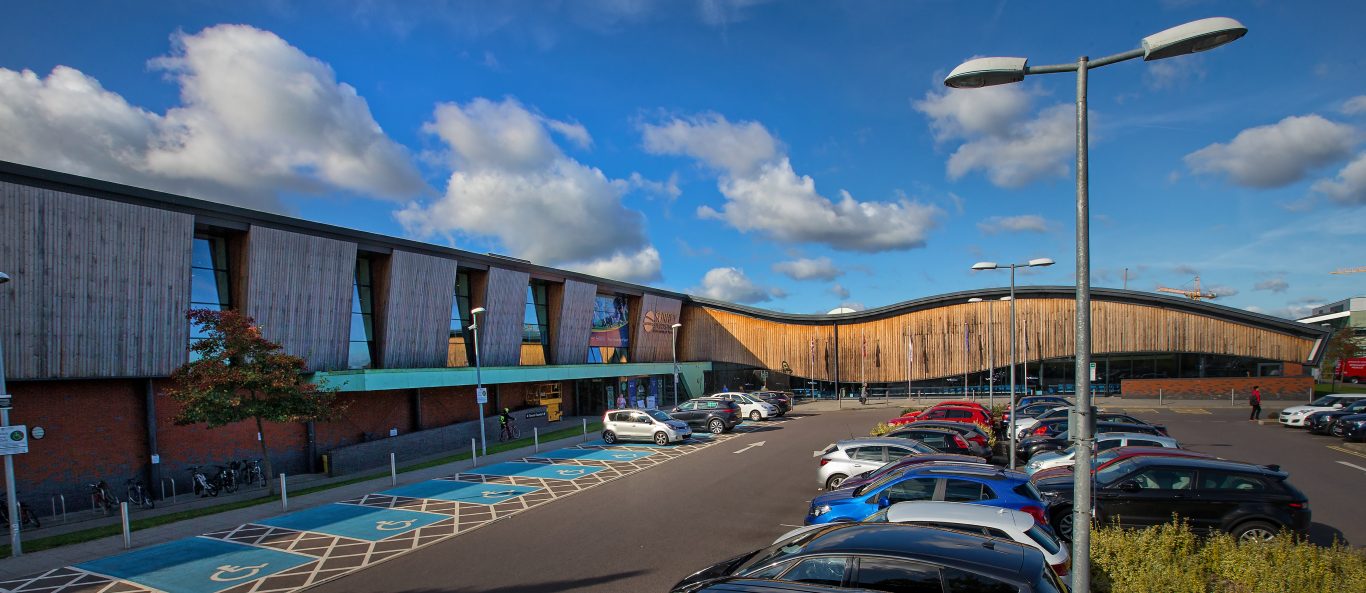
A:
(1108, 475)
(778, 551)
(1325, 401)
(1043, 538)
(1359, 406)
(658, 415)
(879, 482)
(1105, 456)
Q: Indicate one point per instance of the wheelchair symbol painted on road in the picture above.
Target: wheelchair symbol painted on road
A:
(499, 493)
(570, 472)
(229, 573)
(623, 456)
(394, 525)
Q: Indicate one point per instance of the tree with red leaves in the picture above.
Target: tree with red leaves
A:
(239, 375)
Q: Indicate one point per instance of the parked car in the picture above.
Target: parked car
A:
(855, 456)
(951, 413)
(1026, 415)
(1056, 421)
(913, 415)
(990, 486)
(748, 585)
(1250, 502)
(889, 557)
(779, 399)
(713, 414)
(1104, 442)
(908, 461)
(1353, 427)
(1295, 415)
(643, 425)
(942, 440)
(1030, 400)
(1037, 444)
(974, 433)
(1104, 459)
(750, 407)
(1326, 422)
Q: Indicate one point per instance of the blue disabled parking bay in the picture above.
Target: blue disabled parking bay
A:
(551, 471)
(618, 455)
(469, 492)
(195, 565)
(354, 521)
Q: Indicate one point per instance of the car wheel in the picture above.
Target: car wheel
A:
(754, 415)
(1062, 523)
(1255, 531)
(716, 426)
(661, 439)
(609, 437)
(1337, 430)
(833, 482)
(1354, 380)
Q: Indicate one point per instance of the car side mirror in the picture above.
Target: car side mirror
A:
(1129, 486)
(1337, 406)
(884, 500)
(676, 410)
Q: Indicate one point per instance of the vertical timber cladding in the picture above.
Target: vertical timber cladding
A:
(413, 296)
(502, 293)
(571, 321)
(299, 289)
(652, 328)
(938, 335)
(98, 288)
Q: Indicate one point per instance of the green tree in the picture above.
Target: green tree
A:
(239, 375)
(1342, 346)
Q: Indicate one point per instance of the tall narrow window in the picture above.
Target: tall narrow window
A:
(361, 354)
(459, 349)
(611, 337)
(208, 280)
(534, 321)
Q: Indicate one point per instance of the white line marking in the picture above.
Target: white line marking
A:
(1353, 465)
(786, 525)
(751, 445)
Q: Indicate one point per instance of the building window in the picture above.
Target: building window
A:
(362, 348)
(611, 339)
(459, 348)
(534, 325)
(209, 288)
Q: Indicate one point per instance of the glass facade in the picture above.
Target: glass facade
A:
(534, 324)
(460, 346)
(611, 338)
(362, 347)
(209, 288)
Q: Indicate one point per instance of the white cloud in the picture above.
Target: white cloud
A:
(514, 183)
(821, 268)
(731, 284)
(1349, 187)
(1026, 223)
(996, 136)
(1186, 270)
(1354, 106)
(257, 116)
(1278, 154)
(1166, 74)
(574, 132)
(839, 291)
(764, 194)
(1273, 285)
(1221, 290)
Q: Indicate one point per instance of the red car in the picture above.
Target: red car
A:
(1106, 458)
(949, 412)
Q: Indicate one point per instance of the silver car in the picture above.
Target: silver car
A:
(643, 425)
(855, 456)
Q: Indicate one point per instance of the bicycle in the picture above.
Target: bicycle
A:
(251, 472)
(102, 497)
(227, 478)
(137, 495)
(26, 515)
(510, 432)
(201, 483)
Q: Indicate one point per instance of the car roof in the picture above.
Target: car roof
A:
(912, 426)
(973, 470)
(866, 441)
(1164, 451)
(1134, 435)
(990, 556)
(745, 584)
(957, 512)
(1222, 464)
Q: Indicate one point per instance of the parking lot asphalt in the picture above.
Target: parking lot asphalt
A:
(1332, 477)
(643, 532)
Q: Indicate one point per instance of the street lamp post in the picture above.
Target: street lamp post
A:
(12, 498)
(479, 381)
(673, 349)
(1192, 37)
(991, 357)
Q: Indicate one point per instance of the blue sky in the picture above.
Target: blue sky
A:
(792, 155)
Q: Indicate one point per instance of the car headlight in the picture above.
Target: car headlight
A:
(820, 510)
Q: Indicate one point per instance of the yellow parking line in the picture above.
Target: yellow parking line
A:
(1190, 410)
(1347, 451)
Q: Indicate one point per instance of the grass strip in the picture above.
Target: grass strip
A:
(94, 533)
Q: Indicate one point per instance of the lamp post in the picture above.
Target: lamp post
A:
(991, 358)
(479, 381)
(673, 349)
(988, 265)
(12, 500)
(1192, 37)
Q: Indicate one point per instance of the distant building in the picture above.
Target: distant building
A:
(1350, 312)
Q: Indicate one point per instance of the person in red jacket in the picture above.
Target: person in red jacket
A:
(1255, 400)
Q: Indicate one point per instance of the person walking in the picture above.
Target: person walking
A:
(1255, 400)
(621, 401)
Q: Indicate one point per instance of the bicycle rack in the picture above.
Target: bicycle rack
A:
(163, 488)
(96, 508)
(62, 497)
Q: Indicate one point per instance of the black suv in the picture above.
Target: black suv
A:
(1038, 444)
(1251, 502)
(943, 440)
(712, 414)
(1327, 422)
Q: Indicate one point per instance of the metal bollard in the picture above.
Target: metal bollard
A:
(536, 438)
(474, 454)
(127, 533)
(393, 470)
(163, 488)
(1159, 398)
(54, 507)
(1230, 399)
(284, 491)
(585, 429)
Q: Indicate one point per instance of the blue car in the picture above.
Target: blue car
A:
(950, 483)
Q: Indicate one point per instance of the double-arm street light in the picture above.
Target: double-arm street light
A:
(991, 356)
(1192, 37)
(479, 381)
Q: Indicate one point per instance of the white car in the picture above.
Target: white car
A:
(1007, 524)
(750, 407)
(855, 456)
(643, 425)
(1104, 441)
(1294, 416)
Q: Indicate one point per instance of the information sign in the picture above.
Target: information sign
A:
(481, 395)
(13, 439)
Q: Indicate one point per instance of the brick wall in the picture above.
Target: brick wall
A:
(197, 444)
(1217, 388)
(448, 405)
(368, 416)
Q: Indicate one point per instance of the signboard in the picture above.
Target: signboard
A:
(13, 439)
(481, 395)
(5, 401)
(650, 402)
(536, 414)
(1093, 371)
(660, 322)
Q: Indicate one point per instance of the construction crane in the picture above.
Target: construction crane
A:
(1195, 295)
(1349, 270)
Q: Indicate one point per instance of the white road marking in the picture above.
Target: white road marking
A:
(786, 525)
(751, 445)
(1353, 465)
